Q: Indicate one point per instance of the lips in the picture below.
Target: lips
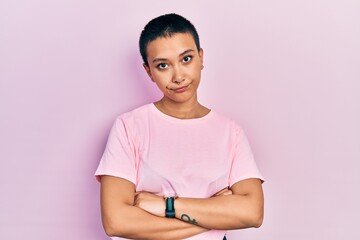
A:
(180, 89)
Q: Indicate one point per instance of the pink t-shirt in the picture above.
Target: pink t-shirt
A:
(188, 157)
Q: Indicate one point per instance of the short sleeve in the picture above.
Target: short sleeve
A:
(243, 165)
(118, 158)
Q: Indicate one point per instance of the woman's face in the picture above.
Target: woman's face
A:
(175, 66)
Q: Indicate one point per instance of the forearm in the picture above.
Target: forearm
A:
(221, 212)
(135, 223)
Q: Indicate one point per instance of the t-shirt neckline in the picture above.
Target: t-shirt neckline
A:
(174, 119)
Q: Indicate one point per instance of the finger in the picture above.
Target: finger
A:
(221, 191)
(138, 194)
(224, 193)
(228, 192)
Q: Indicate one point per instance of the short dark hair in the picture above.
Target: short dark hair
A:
(166, 26)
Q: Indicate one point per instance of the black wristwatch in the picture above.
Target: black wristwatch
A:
(170, 209)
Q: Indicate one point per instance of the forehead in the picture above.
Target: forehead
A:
(167, 47)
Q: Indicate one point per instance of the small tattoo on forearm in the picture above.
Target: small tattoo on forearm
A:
(186, 218)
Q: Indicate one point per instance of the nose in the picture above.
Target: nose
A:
(178, 75)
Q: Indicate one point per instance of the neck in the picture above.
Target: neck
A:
(183, 110)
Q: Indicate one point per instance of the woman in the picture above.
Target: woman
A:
(175, 169)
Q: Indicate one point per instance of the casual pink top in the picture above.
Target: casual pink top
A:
(188, 157)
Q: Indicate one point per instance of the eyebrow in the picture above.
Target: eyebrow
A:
(181, 54)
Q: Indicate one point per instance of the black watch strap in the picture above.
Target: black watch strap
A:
(170, 209)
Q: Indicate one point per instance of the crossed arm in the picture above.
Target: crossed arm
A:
(141, 215)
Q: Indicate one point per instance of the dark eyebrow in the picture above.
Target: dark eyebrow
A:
(186, 52)
(159, 60)
(164, 59)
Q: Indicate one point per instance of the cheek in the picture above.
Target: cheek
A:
(162, 79)
(195, 72)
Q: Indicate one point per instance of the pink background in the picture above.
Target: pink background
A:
(287, 71)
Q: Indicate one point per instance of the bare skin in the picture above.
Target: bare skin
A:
(121, 218)
(241, 207)
(174, 65)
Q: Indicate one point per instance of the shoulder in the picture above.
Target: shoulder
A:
(137, 112)
(134, 115)
(226, 121)
(133, 122)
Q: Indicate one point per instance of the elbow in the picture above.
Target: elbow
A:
(257, 219)
(114, 229)
(117, 223)
(111, 230)
(257, 222)
(251, 220)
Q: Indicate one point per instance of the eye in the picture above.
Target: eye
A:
(187, 59)
(162, 66)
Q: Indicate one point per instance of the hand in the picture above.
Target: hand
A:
(223, 192)
(151, 203)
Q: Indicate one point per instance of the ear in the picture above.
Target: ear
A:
(201, 55)
(148, 71)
